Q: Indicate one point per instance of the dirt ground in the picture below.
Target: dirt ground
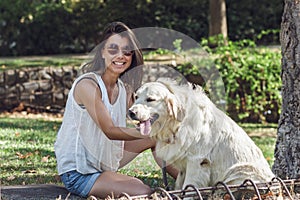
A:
(24, 114)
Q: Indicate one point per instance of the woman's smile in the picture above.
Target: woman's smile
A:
(119, 63)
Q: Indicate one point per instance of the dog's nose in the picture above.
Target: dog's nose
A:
(132, 115)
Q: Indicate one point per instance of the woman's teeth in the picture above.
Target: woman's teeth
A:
(118, 63)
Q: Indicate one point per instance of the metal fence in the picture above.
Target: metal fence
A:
(277, 189)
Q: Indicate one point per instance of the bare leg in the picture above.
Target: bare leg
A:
(113, 184)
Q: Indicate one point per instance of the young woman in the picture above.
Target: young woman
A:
(93, 141)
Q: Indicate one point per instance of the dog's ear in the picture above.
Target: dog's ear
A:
(175, 109)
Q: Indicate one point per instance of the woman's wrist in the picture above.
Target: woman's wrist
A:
(134, 133)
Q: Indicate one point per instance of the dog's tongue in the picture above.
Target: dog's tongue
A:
(145, 127)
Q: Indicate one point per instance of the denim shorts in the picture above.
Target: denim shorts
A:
(79, 184)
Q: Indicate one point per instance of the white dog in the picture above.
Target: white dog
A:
(196, 137)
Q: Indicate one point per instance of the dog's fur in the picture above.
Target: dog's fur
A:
(196, 137)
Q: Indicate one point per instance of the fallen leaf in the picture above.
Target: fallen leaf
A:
(10, 178)
(45, 158)
(22, 156)
(155, 176)
(30, 171)
(57, 178)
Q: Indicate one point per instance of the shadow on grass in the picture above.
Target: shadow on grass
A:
(22, 123)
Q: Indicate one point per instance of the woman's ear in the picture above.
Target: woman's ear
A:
(174, 108)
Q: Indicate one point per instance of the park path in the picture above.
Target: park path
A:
(36, 192)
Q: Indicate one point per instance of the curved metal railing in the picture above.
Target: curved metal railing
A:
(276, 189)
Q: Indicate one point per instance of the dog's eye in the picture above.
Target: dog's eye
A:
(149, 99)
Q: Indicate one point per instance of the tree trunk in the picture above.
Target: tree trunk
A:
(218, 21)
(287, 150)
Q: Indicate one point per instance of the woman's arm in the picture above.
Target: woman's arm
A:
(88, 93)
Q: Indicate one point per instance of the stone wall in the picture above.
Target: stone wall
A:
(46, 88)
(40, 88)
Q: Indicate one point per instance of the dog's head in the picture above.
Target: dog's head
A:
(155, 106)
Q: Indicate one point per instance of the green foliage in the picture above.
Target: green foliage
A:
(247, 18)
(268, 33)
(35, 27)
(252, 80)
(50, 33)
(159, 51)
(177, 45)
(11, 13)
(188, 68)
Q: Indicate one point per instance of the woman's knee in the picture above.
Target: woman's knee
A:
(143, 189)
(136, 187)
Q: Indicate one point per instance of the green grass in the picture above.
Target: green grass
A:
(27, 153)
(41, 61)
(267, 145)
(264, 136)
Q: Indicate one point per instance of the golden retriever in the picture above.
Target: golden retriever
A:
(196, 137)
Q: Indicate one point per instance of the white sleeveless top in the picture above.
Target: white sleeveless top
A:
(80, 144)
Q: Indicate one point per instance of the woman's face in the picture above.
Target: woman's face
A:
(117, 54)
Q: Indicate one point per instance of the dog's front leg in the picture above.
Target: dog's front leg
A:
(180, 180)
(197, 173)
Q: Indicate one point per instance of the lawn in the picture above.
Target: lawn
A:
(42, 61)
(27, 153)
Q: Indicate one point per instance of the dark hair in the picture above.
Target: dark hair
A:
(133, 75)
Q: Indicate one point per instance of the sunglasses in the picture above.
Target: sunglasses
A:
(114, 49)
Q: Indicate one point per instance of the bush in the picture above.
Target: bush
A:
(252, 80)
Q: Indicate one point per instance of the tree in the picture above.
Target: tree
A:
(218, 20)
(287, 150)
